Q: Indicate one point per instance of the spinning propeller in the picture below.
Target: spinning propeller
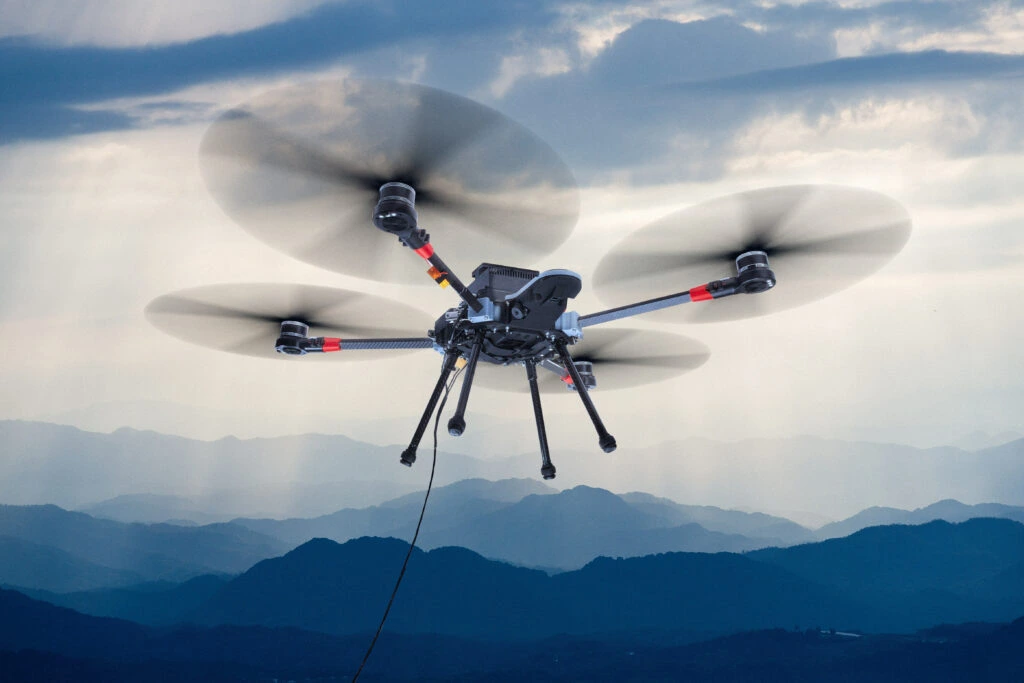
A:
(819, 239)
(247, 319)
(300, 169)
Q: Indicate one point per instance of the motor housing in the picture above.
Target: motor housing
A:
(753, 275)
(294, 338)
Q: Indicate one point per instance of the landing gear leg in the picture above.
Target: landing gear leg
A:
(409, 454)
(606, 440)
(547, 469)
(457, 425)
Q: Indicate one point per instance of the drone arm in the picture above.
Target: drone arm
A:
(333, 344)
(712, 290)
(443, 275)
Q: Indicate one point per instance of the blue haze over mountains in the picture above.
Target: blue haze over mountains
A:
(511, 570)
(311, 475)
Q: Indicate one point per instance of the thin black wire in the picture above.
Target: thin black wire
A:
(412, 543)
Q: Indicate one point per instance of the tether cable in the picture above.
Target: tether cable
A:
(412, 543)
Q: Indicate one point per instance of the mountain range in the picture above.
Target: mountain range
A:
(56, 549)
(947, 510)
(39, 641)
(527, 523)
(882, 579)
(46, 463)
(521, 521)
(896, 578)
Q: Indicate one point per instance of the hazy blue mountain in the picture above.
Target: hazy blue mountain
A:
(929, 558)
(896, 578)
(947, 510)
(571, 528)
(449, 505)
(152, 508)
(979, 440)
(525, 522)
(153, 604)
(278, 501)
(31, 565)
(153, 551)
(827, 476)
(777, 530)
(340, 589)
(62, 465)
(42, 642)
(46, 463)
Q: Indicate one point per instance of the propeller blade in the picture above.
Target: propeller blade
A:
(819, 239)
(299, 166)
(622, 358)
(246, 318)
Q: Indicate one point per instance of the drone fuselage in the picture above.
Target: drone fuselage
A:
(522, 315)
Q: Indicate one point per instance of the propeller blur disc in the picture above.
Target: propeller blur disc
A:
(623, 358)
(246, 318)
(819, 239)
(300, 169)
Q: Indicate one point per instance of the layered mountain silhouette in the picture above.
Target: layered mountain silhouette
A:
(339, 589)
(896, 578)
(124, 551)
(42, 642)
(525, 522)
(28, 564)
(73, 468)
(946, 510)
(296, 476)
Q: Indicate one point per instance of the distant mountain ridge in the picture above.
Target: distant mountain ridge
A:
(552, 529)
(151, 552)
(946, 510)
(42, 642)
(896, 578)
(46, 463)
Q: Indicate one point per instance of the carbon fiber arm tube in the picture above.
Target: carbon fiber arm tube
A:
(333, 344)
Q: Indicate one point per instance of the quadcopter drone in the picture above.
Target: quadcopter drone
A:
(349, 175)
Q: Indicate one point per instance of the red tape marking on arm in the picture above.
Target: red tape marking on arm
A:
(700, 294)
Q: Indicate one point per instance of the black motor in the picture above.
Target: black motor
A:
(396, 209)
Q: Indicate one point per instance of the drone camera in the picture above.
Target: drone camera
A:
(293, 336)
(396, 209)
(752, 272)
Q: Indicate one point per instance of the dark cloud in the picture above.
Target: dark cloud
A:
(898, 69)
(42, 83)
(659, 51)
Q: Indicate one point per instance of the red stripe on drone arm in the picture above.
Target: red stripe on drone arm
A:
(700, 294)
(426, 251)
(331, 344)
(568, 380)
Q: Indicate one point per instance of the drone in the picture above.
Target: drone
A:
(349, 175)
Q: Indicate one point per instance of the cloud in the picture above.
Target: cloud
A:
(660, 51)
(124, 23)
(43, 82)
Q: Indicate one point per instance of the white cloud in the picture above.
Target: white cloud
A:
(596, 26)
(541, 62)
(127, 23)
(1001, 30)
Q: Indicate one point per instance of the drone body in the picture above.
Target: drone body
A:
(313, 189)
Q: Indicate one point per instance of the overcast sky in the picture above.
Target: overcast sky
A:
(654, 106)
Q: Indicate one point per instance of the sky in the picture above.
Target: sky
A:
(654, 107)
